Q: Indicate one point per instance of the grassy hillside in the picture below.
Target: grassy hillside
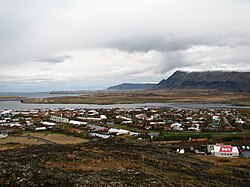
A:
(117, 162)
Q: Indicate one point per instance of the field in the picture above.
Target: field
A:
(10, 98)
(150, 97)
(58, 138)
(28, 139)
(12, 142)
(117, 162)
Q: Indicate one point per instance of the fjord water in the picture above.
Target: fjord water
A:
(12, 105)
(35, 94)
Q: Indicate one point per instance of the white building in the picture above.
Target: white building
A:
(48, 123)
(225, 151)
(3, 134)
(59, 119)
(118, 131)
(195, 127)
(176, 127)
(77, 122)
(40, 128)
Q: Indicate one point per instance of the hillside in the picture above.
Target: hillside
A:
(218, 80)
(117, 162)
(131, 86)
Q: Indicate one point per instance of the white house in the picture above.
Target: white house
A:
(118, 131)
(40, 128)
(74, 122)
(6, 113)
(176, 127)
(59, 119)
(195, 127)
(3, 134)
(47, 123)
(104, 136)
(103, 117)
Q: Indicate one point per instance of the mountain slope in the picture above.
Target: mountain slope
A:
(228, 81)
(131, 86)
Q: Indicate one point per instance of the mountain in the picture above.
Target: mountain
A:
(130, 86)
(219, 80)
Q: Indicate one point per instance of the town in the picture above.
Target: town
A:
(152, 124)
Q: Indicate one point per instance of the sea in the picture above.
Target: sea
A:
(17, 105)
(35, 94)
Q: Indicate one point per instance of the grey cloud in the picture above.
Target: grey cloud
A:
(56, 59)
(30, 31)
(177, 43)
(151, 43)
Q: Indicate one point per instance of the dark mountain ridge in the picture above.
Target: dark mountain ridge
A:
(218, 80)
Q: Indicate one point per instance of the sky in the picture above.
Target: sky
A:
(82, 45)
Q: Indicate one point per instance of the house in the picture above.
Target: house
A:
(89, 118)
(77, 122)
(118, 131)
(103, 117)
(76, 130)
(104, 136)
(48, 123)
(96, 128)
(3, 134)
(136, 134)
(141, 116)
(153, 134)
(40, 128)
(93, 113)
(195, 127)
(5, 113)
(59, 119)
(127, 122)
(176, 127)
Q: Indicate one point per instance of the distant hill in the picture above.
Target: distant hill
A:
(219, 80)
(131, 86)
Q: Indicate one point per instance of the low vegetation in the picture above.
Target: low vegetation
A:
(150, 97)
(117, 162)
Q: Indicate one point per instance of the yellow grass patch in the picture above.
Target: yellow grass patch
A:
(21, 140)
(59, 138)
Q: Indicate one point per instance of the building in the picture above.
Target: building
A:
(59, 119)
(3, 134)
(225, 151)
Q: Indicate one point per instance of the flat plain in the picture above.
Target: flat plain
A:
(159, 96)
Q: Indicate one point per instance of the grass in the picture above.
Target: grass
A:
(20, 140)
(58, 138)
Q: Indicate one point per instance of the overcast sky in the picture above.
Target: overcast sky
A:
(82, 44)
